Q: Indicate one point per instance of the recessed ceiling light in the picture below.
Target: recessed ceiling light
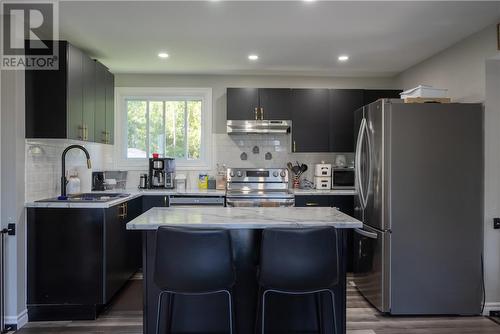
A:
(253, 57)
(343, 58)
(309, 0)
(163, 55)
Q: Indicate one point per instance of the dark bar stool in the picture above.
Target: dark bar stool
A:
(298, 261)
(193, 261)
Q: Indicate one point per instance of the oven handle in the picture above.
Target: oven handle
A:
(367, 234)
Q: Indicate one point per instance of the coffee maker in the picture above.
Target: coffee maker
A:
(161, 173)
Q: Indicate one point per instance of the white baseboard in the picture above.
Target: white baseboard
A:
(20, 320)
(491, 307)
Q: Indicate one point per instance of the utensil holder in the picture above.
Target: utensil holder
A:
(296, 181)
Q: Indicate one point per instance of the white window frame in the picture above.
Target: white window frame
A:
(122, 94)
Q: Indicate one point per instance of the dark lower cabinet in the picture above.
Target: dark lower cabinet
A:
(344, 203)
(78, 259)
(154, 201)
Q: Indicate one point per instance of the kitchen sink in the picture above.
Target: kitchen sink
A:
(88, 197)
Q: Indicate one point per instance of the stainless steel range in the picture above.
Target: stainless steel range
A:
(258, 187)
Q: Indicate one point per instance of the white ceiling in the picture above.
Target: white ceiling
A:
(295, 38)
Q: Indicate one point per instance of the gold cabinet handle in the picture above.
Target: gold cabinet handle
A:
(261, 113)
(311, 204)
(165, 200)
(256, 113)
(121, 211)
(85, 132)
(81, 132)
(294, 146)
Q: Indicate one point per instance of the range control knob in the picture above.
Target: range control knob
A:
(231, 174)
(238, 173)
(283, 173)
(275, 173)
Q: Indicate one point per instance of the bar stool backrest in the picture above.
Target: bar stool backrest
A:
(193, 260)
(299, 259)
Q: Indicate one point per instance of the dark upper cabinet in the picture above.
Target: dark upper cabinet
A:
(275, 103)
(372, 95)
(65, 103)
(258, 103)
(110, 106)
(310, 120)
(343, 103)
(100, 103)
(88, 96)
(242, 103)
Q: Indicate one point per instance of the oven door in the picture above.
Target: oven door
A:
(259, 202)
(371, 266)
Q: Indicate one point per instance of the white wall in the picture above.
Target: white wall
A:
(492, 184)
(462, 69)
(459, 68)
(12, 188)
(219, 83)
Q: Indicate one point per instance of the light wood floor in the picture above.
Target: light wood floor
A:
(125, 317)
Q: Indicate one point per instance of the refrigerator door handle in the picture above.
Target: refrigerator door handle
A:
(367, 234)
(370, 167)
(359, 144)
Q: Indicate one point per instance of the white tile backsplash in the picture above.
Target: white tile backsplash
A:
(43, 161)
(43, 165)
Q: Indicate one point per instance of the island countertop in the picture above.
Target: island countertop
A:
(242, 218)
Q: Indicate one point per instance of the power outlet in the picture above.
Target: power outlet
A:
(496, 223)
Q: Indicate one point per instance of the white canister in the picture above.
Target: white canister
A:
(322, 182)
(73, 186)
(180, 182)
(323, 169)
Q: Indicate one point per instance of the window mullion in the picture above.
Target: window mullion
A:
(148, 153)
(164, 127)
(186, 156)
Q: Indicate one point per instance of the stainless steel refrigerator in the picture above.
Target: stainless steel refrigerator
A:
(419, 176)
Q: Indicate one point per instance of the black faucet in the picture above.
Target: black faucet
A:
(64, 181)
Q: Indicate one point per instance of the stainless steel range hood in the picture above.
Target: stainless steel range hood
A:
(258, 127)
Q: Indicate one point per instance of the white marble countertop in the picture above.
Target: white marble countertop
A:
(134, 193)
(242, 218)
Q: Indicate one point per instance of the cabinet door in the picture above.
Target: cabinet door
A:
(372, 95)
(100, 103)
(110, 107)
(344, 203)
(149, 202)
(89, 79)
(134, 238)
(241, 103)
(116, 248)
(312, 201)
(343, 104)
(75, 93)
(275, 103)
(310, 120)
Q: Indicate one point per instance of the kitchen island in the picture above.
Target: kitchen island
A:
(205, 314)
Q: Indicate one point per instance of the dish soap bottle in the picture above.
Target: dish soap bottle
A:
(73, 186)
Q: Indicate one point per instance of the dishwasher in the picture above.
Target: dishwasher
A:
(194, 200)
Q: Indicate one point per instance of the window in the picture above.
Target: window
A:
(171, 122)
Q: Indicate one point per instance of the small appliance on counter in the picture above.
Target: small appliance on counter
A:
(143, 181)
(323, 176)
(161, 172)
(343, 178)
